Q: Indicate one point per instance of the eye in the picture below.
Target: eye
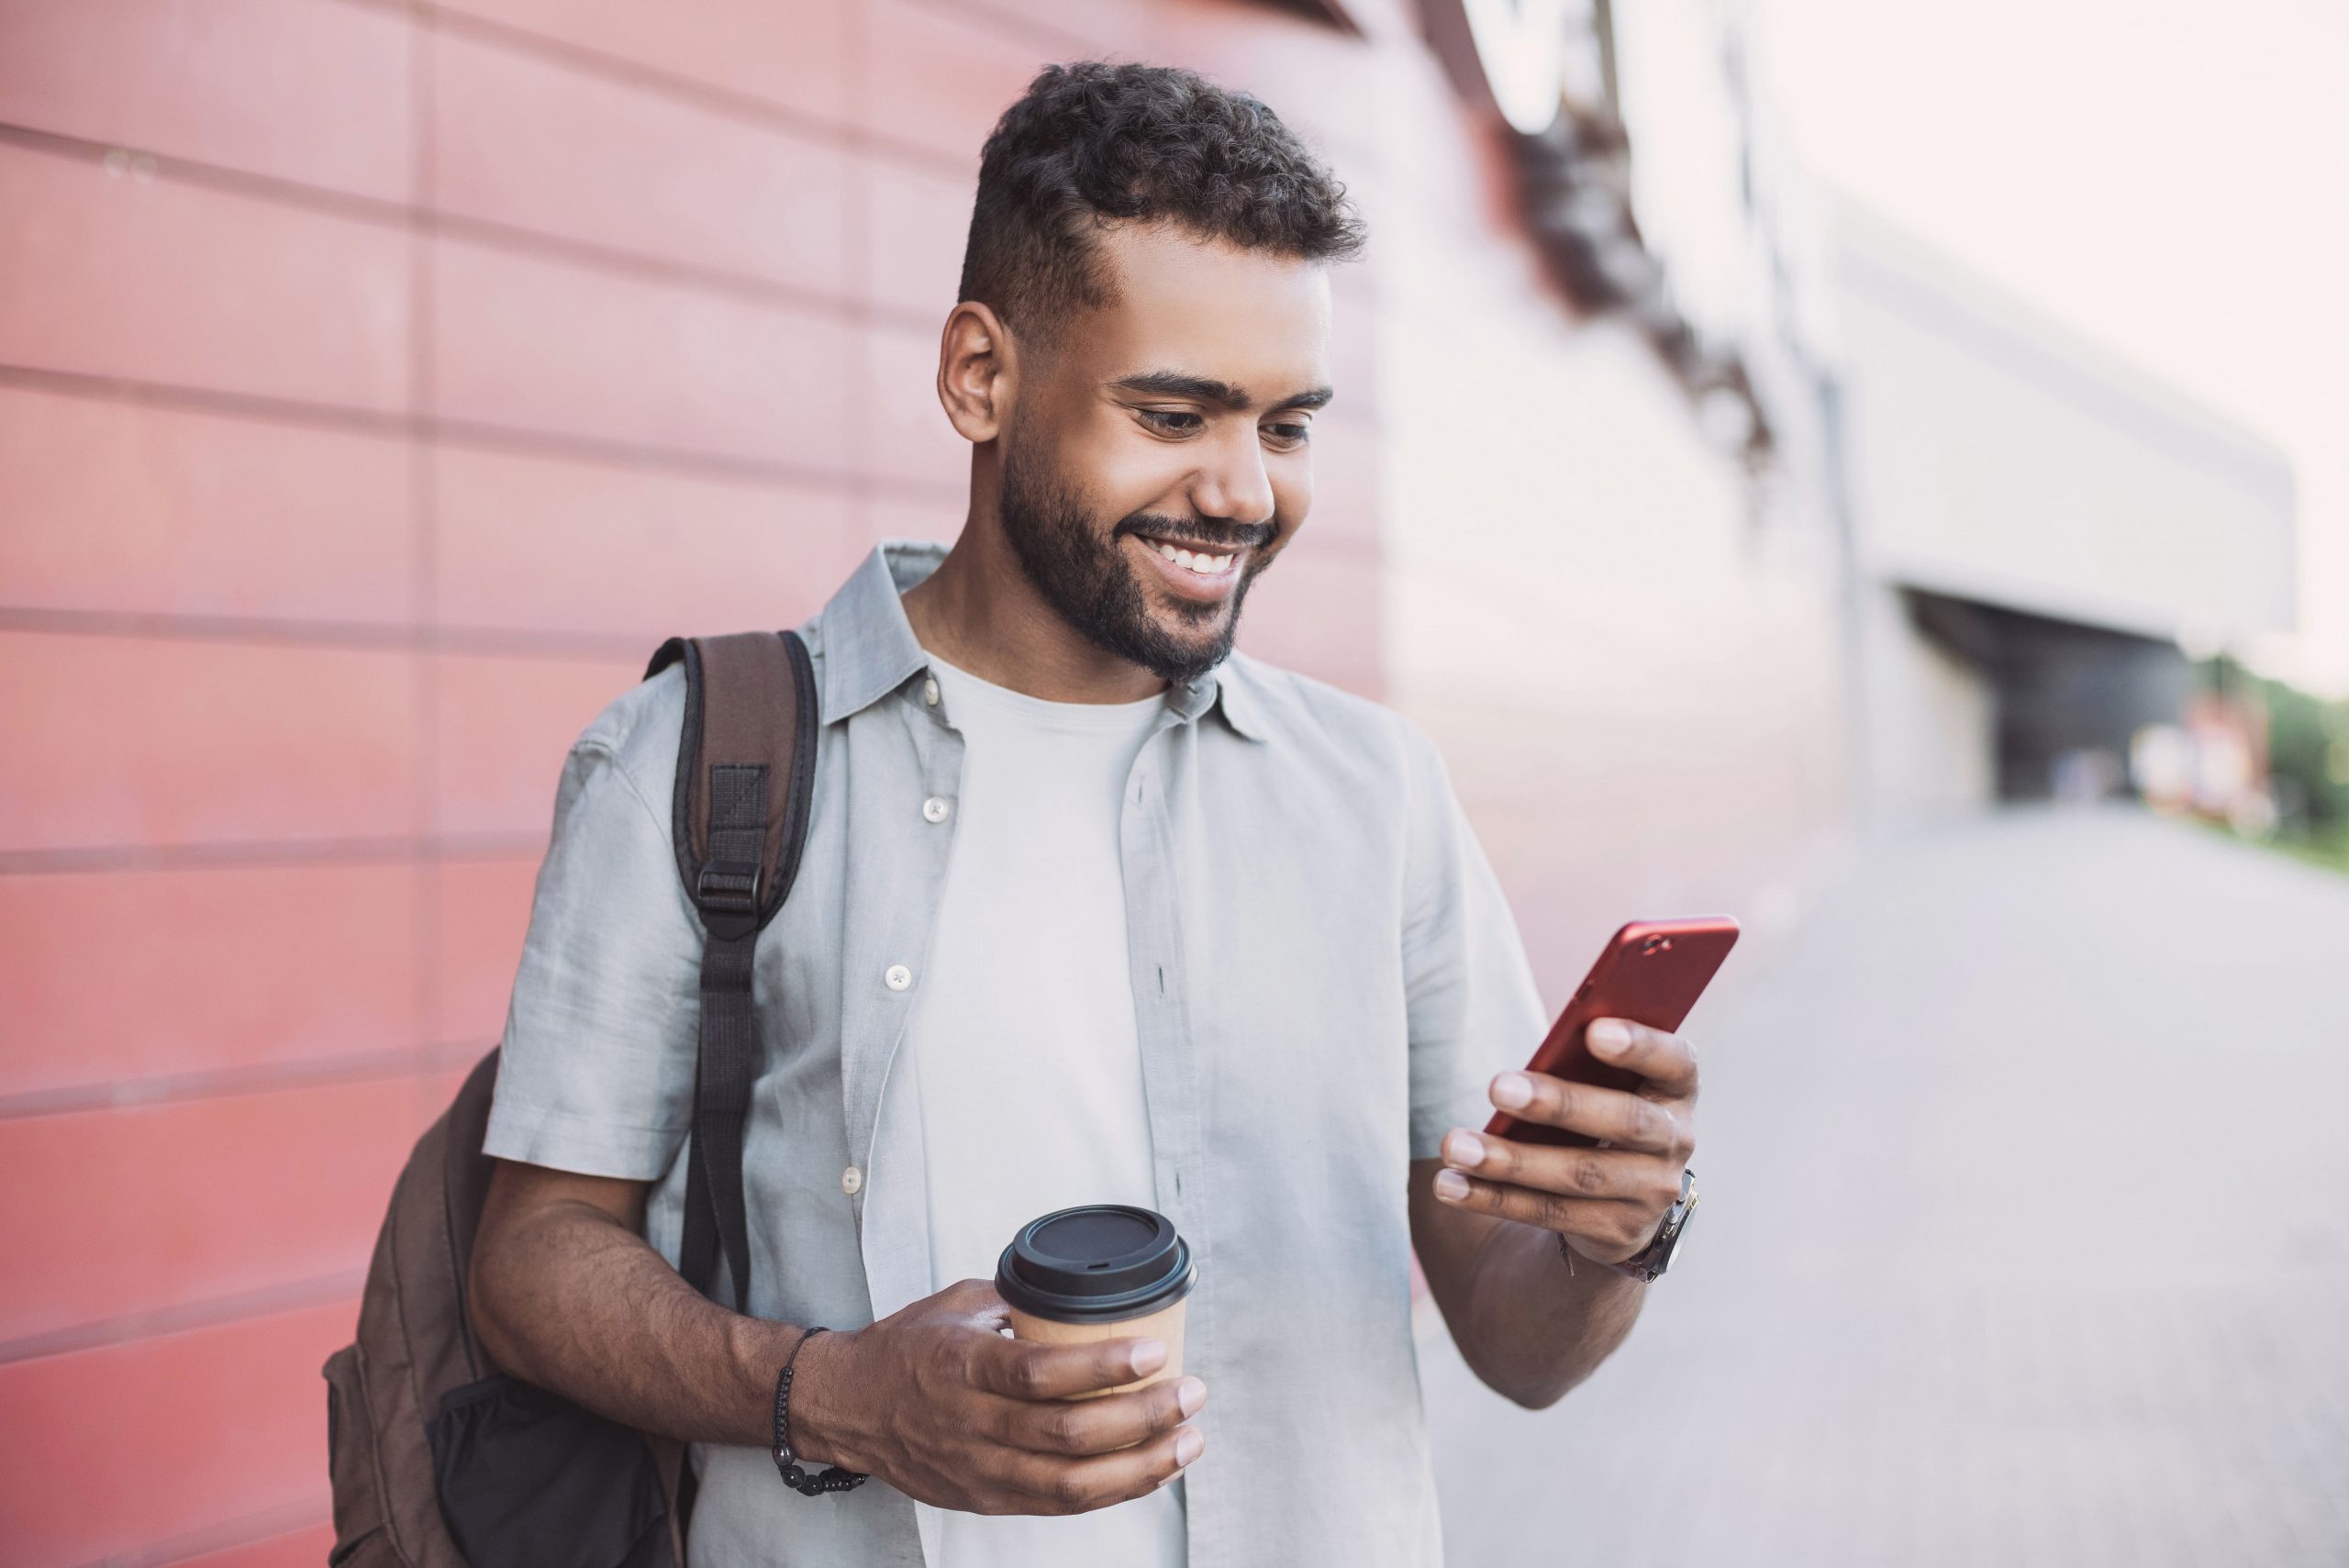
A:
(1171, 422)
(1288, 434)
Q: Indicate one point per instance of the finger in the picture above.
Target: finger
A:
(1608, 1226)
(1616, 1115)
(1114, 1421)
(1605, 1175)
(1019, 1369)
(1080, 1486)
(1619, 1174)
(1667, 1062)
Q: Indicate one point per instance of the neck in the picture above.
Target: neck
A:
(978, 611)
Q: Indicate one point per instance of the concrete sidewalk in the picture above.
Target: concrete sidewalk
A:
(2023, 1237)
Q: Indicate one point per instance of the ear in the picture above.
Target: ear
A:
(977, 371)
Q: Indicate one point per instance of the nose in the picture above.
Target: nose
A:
(1233, 484)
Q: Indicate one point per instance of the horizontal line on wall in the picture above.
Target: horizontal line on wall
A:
(642, 267)
(466, 433)
(510, 642)
(1029, 29)
(212, 176)
(262, 855)
(170, 1089)
(257, 406)
(635, 265)
(243, 1530)
(748, 107)
(268, 1301)
(1066, 44)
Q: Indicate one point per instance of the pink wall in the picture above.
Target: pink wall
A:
(378, 385)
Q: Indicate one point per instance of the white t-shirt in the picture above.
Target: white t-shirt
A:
(1020, 1058)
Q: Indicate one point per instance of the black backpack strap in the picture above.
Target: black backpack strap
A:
(746, 766)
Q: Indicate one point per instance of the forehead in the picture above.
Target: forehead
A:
(1248, 317)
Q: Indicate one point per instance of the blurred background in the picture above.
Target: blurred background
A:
(1873, 469)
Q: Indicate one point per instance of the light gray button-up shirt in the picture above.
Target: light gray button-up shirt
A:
(1325, 976)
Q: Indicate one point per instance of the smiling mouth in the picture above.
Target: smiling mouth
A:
(1205, 565)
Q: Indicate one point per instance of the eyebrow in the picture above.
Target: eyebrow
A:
(1206, 389)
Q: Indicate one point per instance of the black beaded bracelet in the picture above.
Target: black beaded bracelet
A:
(795, 1475)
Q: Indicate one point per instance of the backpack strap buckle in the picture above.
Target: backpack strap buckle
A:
(728, 887)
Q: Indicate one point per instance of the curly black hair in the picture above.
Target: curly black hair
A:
(1093, 144)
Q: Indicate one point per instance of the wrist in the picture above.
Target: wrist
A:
(824, 1428)
(1655, 1254)
(1578, 1261)
(753, 1351)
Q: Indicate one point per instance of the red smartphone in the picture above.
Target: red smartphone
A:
(1652, 972)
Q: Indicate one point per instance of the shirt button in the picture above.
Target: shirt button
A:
(898, 977)
(929, 690)
(851, 1181)
(935, 808)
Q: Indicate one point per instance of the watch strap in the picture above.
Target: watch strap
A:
(1650, 1262)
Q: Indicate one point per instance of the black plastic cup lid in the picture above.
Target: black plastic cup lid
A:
(1095, 1263)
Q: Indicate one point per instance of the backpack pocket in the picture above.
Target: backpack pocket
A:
(359, 1537)
(526, 1476)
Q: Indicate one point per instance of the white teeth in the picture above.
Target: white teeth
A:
(1199, 562)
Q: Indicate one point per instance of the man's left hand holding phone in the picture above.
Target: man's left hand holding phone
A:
(1608, 1203)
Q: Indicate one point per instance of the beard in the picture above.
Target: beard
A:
(1084, 574)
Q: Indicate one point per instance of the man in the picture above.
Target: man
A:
(1092, 909)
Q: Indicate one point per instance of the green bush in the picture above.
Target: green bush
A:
(2308, 760)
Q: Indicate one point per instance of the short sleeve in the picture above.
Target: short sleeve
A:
(1473, 1008)
(595, 1075)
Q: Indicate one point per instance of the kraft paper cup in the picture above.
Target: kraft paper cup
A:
(1099, 1272)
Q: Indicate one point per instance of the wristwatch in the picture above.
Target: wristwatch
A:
(1651, 1260)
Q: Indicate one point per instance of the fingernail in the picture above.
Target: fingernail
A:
(1465, 1148)
(1512, 1091)
(1450, 1184)
(1608, 1038)
(1190, 1394)
(1187, 1446)
(1149, 1356)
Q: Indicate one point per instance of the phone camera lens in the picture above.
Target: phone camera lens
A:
(1656, 945)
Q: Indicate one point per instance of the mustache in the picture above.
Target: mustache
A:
(1243, 536)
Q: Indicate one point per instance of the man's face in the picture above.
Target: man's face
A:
(1176, 420)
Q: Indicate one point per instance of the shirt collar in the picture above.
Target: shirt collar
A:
(1226, 688)
(870, 649)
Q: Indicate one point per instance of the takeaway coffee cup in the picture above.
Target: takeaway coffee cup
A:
(1099, 1272)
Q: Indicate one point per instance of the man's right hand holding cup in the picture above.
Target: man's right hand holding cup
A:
(936, 1400)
